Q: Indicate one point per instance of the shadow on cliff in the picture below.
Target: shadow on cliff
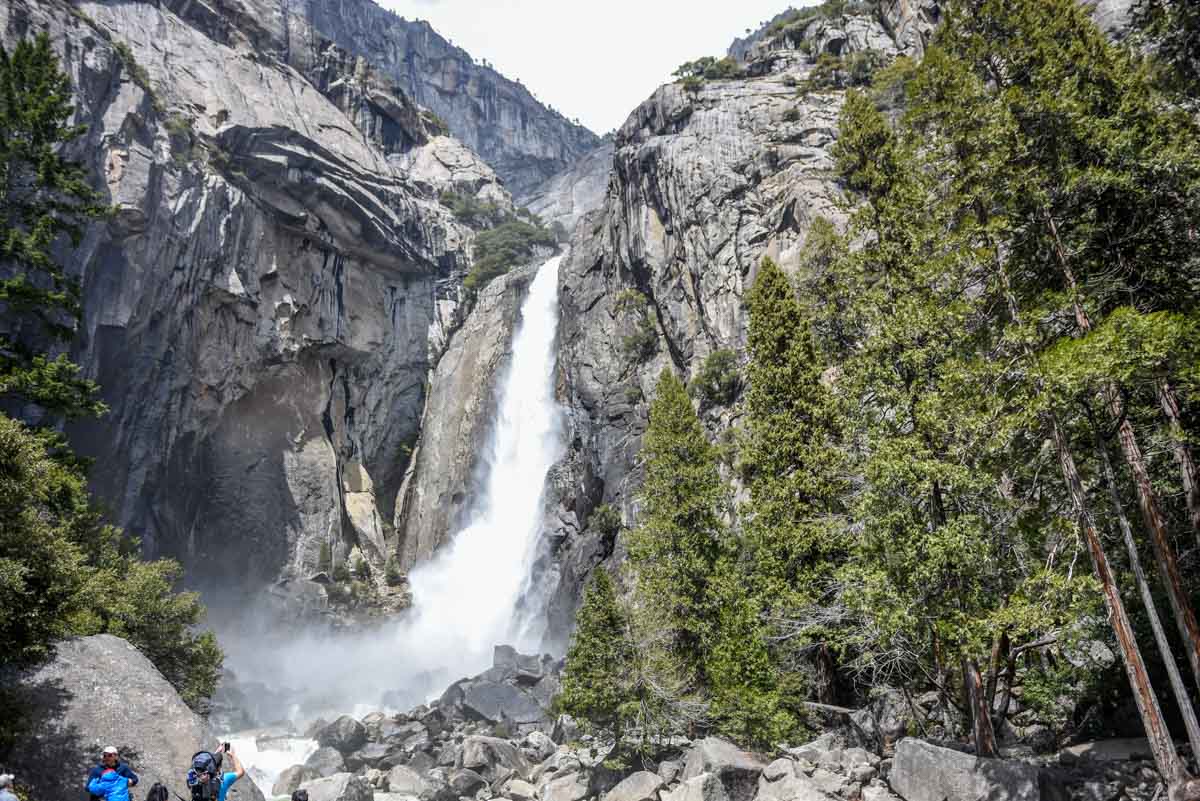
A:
(49, 758)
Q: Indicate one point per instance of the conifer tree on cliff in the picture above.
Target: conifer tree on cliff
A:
(63, 571)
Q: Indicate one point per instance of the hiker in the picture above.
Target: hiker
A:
(6, 783)
(110, 786)
(109, 758)
(206, 779)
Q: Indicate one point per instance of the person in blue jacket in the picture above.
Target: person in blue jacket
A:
(110, 759)
(229, 777)
(110, 785)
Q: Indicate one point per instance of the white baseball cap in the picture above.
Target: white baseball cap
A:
(112, 749)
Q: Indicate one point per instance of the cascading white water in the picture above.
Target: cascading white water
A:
(477, 592)
(468, 598)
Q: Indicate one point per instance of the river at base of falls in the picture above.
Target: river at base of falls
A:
(479, 590)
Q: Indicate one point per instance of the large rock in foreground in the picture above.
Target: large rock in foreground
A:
(101, 691)
(926, 772)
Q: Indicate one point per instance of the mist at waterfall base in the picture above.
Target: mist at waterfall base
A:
(480, 590)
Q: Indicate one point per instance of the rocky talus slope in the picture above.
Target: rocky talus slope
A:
(493, 737)
(265, 305)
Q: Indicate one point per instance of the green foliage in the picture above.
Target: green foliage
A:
(791, 115)
(362, 571)
(63, 572)
(341, 573)
(392, 573)
(434, 124)
(599, 682)
(325, 558)
(682, 538)
(641, 343)
(718, 382)
(45, 200)
(500, 249)
(604, 520)
(472, 211)
(709, 68)
(842, 72)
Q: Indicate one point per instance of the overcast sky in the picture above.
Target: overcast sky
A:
(591, 59)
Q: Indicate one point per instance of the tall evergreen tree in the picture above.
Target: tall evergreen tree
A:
(599, 684)
(45, 198)
(682, 538)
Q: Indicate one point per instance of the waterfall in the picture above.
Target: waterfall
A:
(475, 592)
(480, 589)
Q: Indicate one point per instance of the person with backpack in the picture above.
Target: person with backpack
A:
(111, 758)
(109, 785)
(206, 779)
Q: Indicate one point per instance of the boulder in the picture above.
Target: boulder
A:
(926, 772)
(779, 769)
(537, 745)
(794, 787)
(640, 786)
(884, 721)
(737, 770)
(519, 790)
(345, 734)
(496, 702)
(566, 730)
(339, 787)
(1119, 750)
(570, 787)
(492, 758)
(291, 778)
(100, 691)
(669, 769)
(705, 787)
(369, 756)
(326, 761)
(403, 779)
(466, 782)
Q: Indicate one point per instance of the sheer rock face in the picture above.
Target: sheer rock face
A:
(704, 185)
(499, 119)
(581, 188)
(264, 306)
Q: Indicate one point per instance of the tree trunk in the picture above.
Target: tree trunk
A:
(1178, 688)
(1161, 745)
(1183, 454)
(1170, 767)
(981, 716)
(1164, 553)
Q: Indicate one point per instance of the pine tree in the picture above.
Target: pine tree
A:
(675, 551)
(791, 464)
(599, 678)
(44, 198)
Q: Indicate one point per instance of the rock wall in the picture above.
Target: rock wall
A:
(572, 193)
(265, 305)
(704, 185)
(499, 119)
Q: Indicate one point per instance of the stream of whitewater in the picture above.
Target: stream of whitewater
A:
(479, 590)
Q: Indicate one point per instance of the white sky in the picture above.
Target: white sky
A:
(591, 59)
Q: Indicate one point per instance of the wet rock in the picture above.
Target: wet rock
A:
(345, 734)
(492, 757)
(369, 756)
(326, 761)
(291, 778)
(496, 702)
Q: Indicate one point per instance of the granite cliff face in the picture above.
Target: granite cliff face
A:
(265, 305)
(525, 142)
(704, 185)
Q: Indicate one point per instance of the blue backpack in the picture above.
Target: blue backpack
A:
(204, 778)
